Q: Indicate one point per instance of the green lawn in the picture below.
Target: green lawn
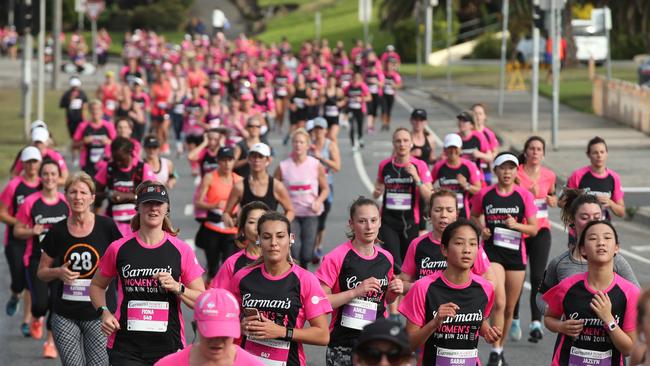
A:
(575, 86)
(11, 140)
(339, 19)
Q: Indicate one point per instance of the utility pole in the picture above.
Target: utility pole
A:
(556, 25)
(40, 93)
(56, 31)
(449, 17)
(28, 46)
(504, 40)
(10, 12)
(535, 79)
(317, 21)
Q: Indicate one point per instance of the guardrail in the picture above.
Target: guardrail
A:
(626, 102)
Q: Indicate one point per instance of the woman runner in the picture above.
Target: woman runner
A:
(11, 198)
(94, 138)
(480, 117)
(155, 272)
(509, 213)
(358, 278)
(333, 102)
(278, 298)
(446, 312)
(71, 252)
(594, 313)
(423, 143)
(162, 168)
(40, 211)
(217, 318)
(356, 97)
(246, 238)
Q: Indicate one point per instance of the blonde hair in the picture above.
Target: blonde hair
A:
(167, 222)
(80, 177)
(300, 131)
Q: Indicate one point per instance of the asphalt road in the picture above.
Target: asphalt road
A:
(356, 173)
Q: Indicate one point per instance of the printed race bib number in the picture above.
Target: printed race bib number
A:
(76, 103)
(282, 92)
(456, 357)
(77, 290)
(147, 316)
(272, 352)
(215, 85)
(331, 111)
(355, 105)
(96, 154)
(358, 313)
(162, 105)
(179, 108)
(542, 208)
(373, 88)
(389, 90)
(111, 104)
(460, 198)
(299, 102)
(398, 201)
(508, 239)
(584, 357)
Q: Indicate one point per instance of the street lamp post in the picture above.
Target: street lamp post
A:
(502, 71)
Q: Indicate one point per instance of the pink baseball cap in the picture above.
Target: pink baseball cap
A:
(216, 312)
(246, 96)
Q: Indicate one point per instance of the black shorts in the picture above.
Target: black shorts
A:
(331, 121)
(373, 105)
(511, 260)
(297, 116)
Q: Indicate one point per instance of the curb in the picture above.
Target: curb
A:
(640, 217)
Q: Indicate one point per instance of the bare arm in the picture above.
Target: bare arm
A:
(5, 216)
(233, 200)
(282, 196)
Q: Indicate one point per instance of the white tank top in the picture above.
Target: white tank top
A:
(162, 175)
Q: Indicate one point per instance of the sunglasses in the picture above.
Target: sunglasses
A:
(253, 126)
(372, 356)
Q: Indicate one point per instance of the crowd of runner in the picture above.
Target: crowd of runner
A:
(99, 268)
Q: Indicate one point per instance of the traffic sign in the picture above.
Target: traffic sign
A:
(80, 6)
(365, 11)
(94, 8)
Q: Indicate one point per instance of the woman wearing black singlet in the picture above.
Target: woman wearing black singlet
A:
(259, 158)
(299, 103)
(423, 145)
(333, 102)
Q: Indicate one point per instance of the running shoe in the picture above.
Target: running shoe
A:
(355, 148)
(361, 143)
(536, 332)
(515, 330)
(385, 127)
(24, 329)
(49, 350)
(36, 329)
(495, 359)
(318, 255)
(12, 305)
(165, 150)
(371, 130)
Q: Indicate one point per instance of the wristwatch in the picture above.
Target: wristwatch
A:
(181, 290)
(101, 309)
(289, 335)
(612, 325)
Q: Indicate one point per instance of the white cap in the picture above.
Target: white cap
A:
(454, 140)
(261, 148)
(504, 158)
(390, 48)
(38, 124)
(75, 82)
(138, 81)
(40, 134)
(316, 122)
(30, 153)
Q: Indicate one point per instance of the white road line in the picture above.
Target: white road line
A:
(641, 248)
(189, 209)
(363, 174)
(190, 242)
(636, 189)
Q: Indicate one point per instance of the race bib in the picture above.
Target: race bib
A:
(542, 208)
(355, 104)
(456, 357)
(331, 110)
(398, 201)
(584, 357)
(77, 290)
(388, 89)
(358, 313)
(76, 103)
(111, 104)
(272, 352)
(147, 316)
(299, 102)
(162, 105)
(215, 85)
(179, 108)
(281, 92)
(373, 88)
(96, 154)
(506, 238)
(215, 122)
(460, 198)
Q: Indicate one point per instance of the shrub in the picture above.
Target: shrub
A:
(489, 47)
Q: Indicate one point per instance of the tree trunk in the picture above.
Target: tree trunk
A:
(567, 33)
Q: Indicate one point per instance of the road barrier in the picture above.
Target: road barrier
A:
(626, 102)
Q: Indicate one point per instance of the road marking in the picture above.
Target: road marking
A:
(189, 209)
(636, 189)
(641, 248)
(363, 174)
(190, 242)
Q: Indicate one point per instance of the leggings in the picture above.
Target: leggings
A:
(177, 125)
(218, 247)
(387, 103)
(538, 249)
(40, 291)
(305, 229)
(79, 342)
(356, 115)
(397, 240)
(14, 252)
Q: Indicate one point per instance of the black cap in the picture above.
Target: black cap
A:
(156, 192)
(151, 142)
(466, 116)
(226, 153)
(419, 114)
(384, 330)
